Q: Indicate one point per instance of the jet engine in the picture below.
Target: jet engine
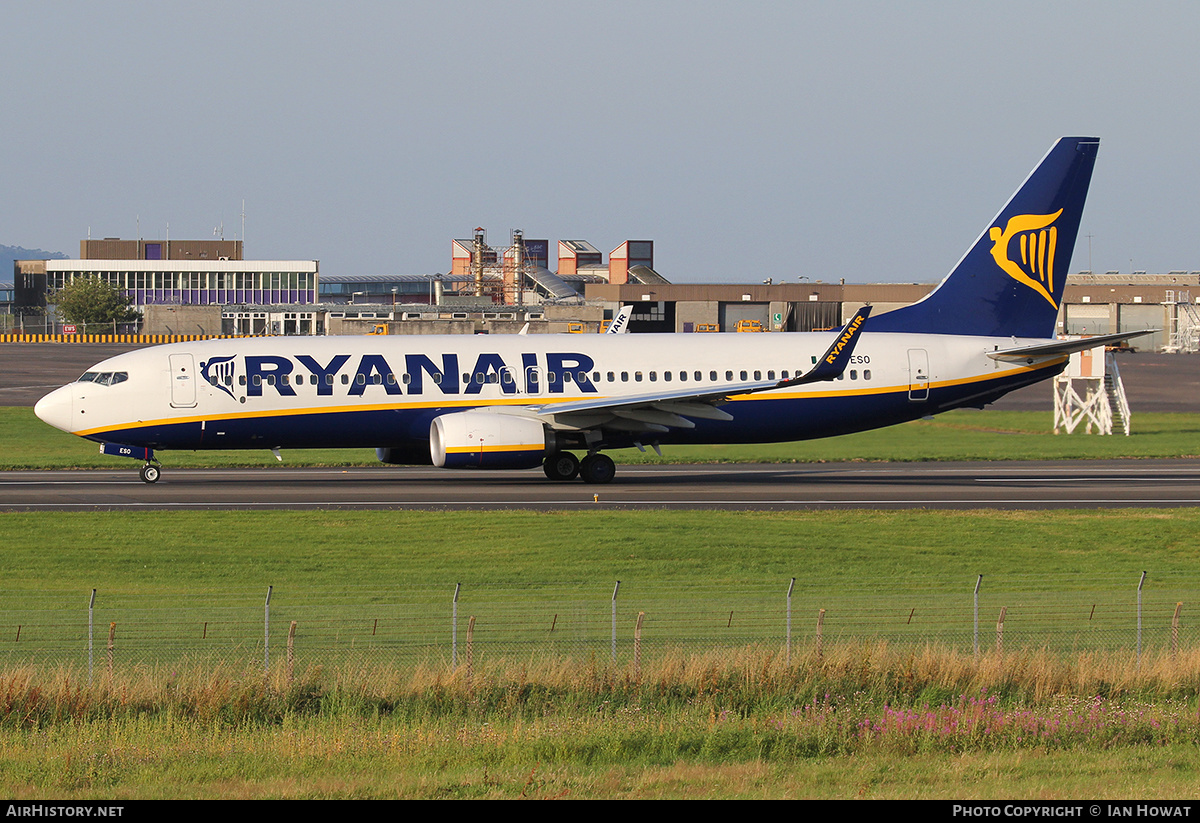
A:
(487, 440)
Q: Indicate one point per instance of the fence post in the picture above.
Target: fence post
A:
(978, 583)
(112, 632)
(616, 589)
(1139, 618)
(1175, 630)
(470, 649)
(788, 654)
(267, 632)
(637, 647)
(91, 615)
(1000, 630)
(291, 651)
(820, 630)
(454, 627)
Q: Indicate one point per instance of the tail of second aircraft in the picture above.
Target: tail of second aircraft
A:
(1010, 282)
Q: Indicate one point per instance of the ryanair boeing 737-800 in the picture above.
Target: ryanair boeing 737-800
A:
(520, 401)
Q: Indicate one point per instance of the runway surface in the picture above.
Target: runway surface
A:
(1040, 485)
(1158, 383)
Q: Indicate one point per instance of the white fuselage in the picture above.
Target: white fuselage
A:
(385, 390)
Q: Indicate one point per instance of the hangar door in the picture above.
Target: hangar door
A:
(1086, 318)
(733, 313)
(1135, 317)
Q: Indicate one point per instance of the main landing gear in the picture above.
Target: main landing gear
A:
(149, 473)
(595, 468)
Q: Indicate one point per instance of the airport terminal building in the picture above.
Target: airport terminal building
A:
(205, 287)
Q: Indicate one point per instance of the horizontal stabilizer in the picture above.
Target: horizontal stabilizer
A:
(1057, 348)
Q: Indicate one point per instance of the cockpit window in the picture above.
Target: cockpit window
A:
(104, 378)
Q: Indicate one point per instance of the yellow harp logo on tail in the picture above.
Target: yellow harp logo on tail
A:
(1038, 241)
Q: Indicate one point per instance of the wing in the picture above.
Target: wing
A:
(660, 411)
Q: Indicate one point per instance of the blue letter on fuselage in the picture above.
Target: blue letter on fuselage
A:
(261, 368)
(559, 363)
(485, 366)
(324, 374)
(445, 379)
(370, 365)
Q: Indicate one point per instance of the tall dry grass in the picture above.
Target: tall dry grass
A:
(748, 682)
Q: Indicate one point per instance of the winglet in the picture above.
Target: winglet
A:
(620, 323)
(833, 362)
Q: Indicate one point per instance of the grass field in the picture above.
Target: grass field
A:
(961, 435)
(864, 719)
(705, 714)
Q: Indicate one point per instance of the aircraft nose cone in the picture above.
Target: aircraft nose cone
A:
(55, 408)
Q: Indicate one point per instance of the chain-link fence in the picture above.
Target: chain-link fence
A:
(411, 626)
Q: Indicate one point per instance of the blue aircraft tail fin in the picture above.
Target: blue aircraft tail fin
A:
(1010, 282)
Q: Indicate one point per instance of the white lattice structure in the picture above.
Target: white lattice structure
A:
(1090, 391)
(1185, 323)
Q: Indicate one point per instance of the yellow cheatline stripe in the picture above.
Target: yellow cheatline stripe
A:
(488, 447)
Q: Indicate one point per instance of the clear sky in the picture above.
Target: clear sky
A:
(870, 141)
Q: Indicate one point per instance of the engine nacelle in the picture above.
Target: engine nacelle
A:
(486, 440)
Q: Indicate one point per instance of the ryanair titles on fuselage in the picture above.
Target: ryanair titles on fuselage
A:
(350, 375)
